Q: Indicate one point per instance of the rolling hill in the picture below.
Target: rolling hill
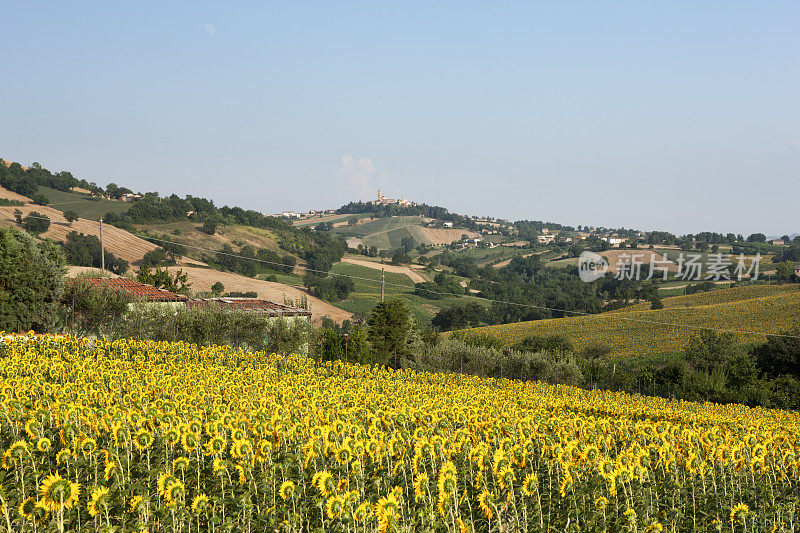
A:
(648, 332)
(117, 241)
(388, 233)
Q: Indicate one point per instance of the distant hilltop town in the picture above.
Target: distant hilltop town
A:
(381, 200)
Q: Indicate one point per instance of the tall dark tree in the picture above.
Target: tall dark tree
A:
(31, 282)
(391, 332)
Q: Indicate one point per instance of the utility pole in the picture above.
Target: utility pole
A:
(102, 249)
(383, 282)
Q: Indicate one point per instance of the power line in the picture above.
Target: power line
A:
(612, 316)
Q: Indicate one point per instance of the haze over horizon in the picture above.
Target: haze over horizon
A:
(676, 116)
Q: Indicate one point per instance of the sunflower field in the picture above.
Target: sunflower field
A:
(637, 332)
(141, 436)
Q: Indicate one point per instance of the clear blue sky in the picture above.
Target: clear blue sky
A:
(671, 115)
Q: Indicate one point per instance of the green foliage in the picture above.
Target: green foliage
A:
(161, 279)
(218, 288)
(213, 325)
(239, 294)
(93, 308)
(785, 271)
(329, 288)
(35, 222)
(460, 316)
(5, 202)
(210, 226)
(84, 250)
(31, 282)
(391, 331)
(40, 199)
(251, 262)
(352, 346)
(442, 284)
(158, 257)
(469, 357)
(540, 343)
(780, 356)
(71, 216)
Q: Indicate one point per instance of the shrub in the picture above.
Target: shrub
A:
(213, 325)
(36, 223)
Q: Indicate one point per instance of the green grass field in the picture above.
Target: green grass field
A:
(86, 206)
(383, 233)
(367, 293)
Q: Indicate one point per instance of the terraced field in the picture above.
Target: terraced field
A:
(645, 332)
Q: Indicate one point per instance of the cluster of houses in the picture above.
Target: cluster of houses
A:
(127, 197)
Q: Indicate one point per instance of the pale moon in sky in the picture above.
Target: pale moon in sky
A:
(211, 29)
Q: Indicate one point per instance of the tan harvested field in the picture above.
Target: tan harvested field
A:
(415, 276)
(353, 242)
(203, 278)
(643, 257)
(190, 236)
(8, 195)
(439, 237)
(343, 223)
(117, 241)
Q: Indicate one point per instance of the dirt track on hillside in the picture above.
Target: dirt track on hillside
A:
(416, 277)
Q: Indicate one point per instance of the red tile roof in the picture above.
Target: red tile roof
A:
(146, 292)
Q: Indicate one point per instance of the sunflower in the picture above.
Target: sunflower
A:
(216, 446)
(189, 442)
(739, 511)
(219, 466)
(334, 506)
(98, 501)
(164, 481)
(174, 491)
(109, 470)
(362, 512)
(43, 444)
(56, 491)
(137, 503)
(420, 484)
(240, 470)
(324, 483)
(485, 503)
(180, 463)
(287, 490)
(530, 485)
(88, 446)
(18, 448)
(26, 507)
(200, 503)
(143, 439)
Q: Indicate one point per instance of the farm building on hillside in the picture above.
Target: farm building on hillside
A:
(143, 293)
(152, 296)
